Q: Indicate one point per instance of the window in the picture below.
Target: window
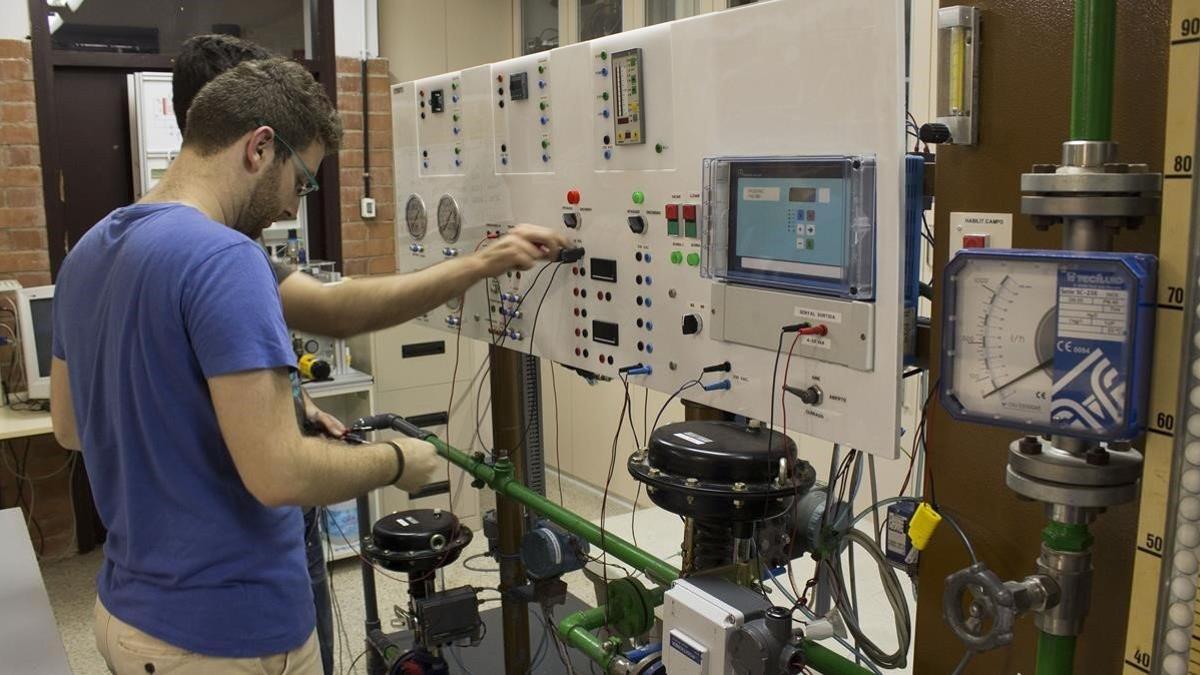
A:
(598, 18)
(539, 25)
(658, 11)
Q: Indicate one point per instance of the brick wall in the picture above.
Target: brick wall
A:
(24, 257)
(23, 251)
(368, 247)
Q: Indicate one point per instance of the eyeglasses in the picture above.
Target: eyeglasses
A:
(310, 183)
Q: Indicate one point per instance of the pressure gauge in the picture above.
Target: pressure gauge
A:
(415, 217)
(449, 219)
(1049, 341)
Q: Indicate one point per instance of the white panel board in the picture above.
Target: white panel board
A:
(791, 77)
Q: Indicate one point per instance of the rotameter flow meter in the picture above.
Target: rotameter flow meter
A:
(1054, 342)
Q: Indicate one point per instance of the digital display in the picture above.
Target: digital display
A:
(606, 333)
(629, 126)
(771, 235)
(802, 194)
(604, 269)
(518, 86)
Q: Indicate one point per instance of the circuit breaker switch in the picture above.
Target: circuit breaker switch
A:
(692, 324)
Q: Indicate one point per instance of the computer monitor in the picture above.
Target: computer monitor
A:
(33, 308)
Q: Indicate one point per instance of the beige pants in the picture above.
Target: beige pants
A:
(129, 651)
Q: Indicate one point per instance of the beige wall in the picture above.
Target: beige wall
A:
(428, 37)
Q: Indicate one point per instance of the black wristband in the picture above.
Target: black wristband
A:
(399, 460)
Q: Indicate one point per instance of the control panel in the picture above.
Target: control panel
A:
(613, 141)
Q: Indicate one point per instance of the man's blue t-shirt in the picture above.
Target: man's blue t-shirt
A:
(151, 302)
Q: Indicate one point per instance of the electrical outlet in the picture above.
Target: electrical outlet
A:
(367, 207)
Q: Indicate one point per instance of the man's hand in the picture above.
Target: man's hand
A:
(321, 420)
(521, 248)
(420, 463)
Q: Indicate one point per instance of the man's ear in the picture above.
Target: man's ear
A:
(260, 149)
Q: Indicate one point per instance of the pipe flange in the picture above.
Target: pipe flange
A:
(1083, 496)
(1091, 182)
(1088, 205)
(630, 607)
(987, 622)
(1055, 465)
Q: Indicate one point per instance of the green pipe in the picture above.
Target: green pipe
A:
(500, 478)
(1092, 71)
(1055, 654)
(827, 662)
(577, 629)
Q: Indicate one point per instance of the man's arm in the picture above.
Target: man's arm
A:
(363, 305)
(281, 467)
(62, 410)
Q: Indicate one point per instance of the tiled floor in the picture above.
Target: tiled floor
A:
(71, 582)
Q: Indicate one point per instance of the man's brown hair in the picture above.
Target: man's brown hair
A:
(274, 92)
(200, 59)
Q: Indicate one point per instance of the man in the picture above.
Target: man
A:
(358, 305)
(171, 372)
(368, 304)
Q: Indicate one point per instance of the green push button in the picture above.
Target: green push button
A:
(673, 228)
(545, 143)
(541, 69)
(603, 56)
(693, 259)
(638, 197)
(659, 147)
(604, 96)
(690, 229)
(676, 257)
(543, 105)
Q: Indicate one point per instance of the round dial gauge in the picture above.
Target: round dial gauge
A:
(449, 219)
(415, 217)
(1048, 342)
(1005, 342)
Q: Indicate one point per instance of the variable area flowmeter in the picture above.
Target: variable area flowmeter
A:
(1050, 342)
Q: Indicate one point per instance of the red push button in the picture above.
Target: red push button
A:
(689, 211)
(672, 211)
(572, 196)
(975, 241)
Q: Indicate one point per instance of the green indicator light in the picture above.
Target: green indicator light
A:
(693, 259)
(603, 56)
(545, 143)
(454, 85)
(541, 69)
(457, 150)
(604, 96)
(659, 147)
(676, 257)
(542, 105)
(638, 197)
(455, 117)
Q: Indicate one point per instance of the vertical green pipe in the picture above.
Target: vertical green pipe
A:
(1092, 72)
(1056, 653)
